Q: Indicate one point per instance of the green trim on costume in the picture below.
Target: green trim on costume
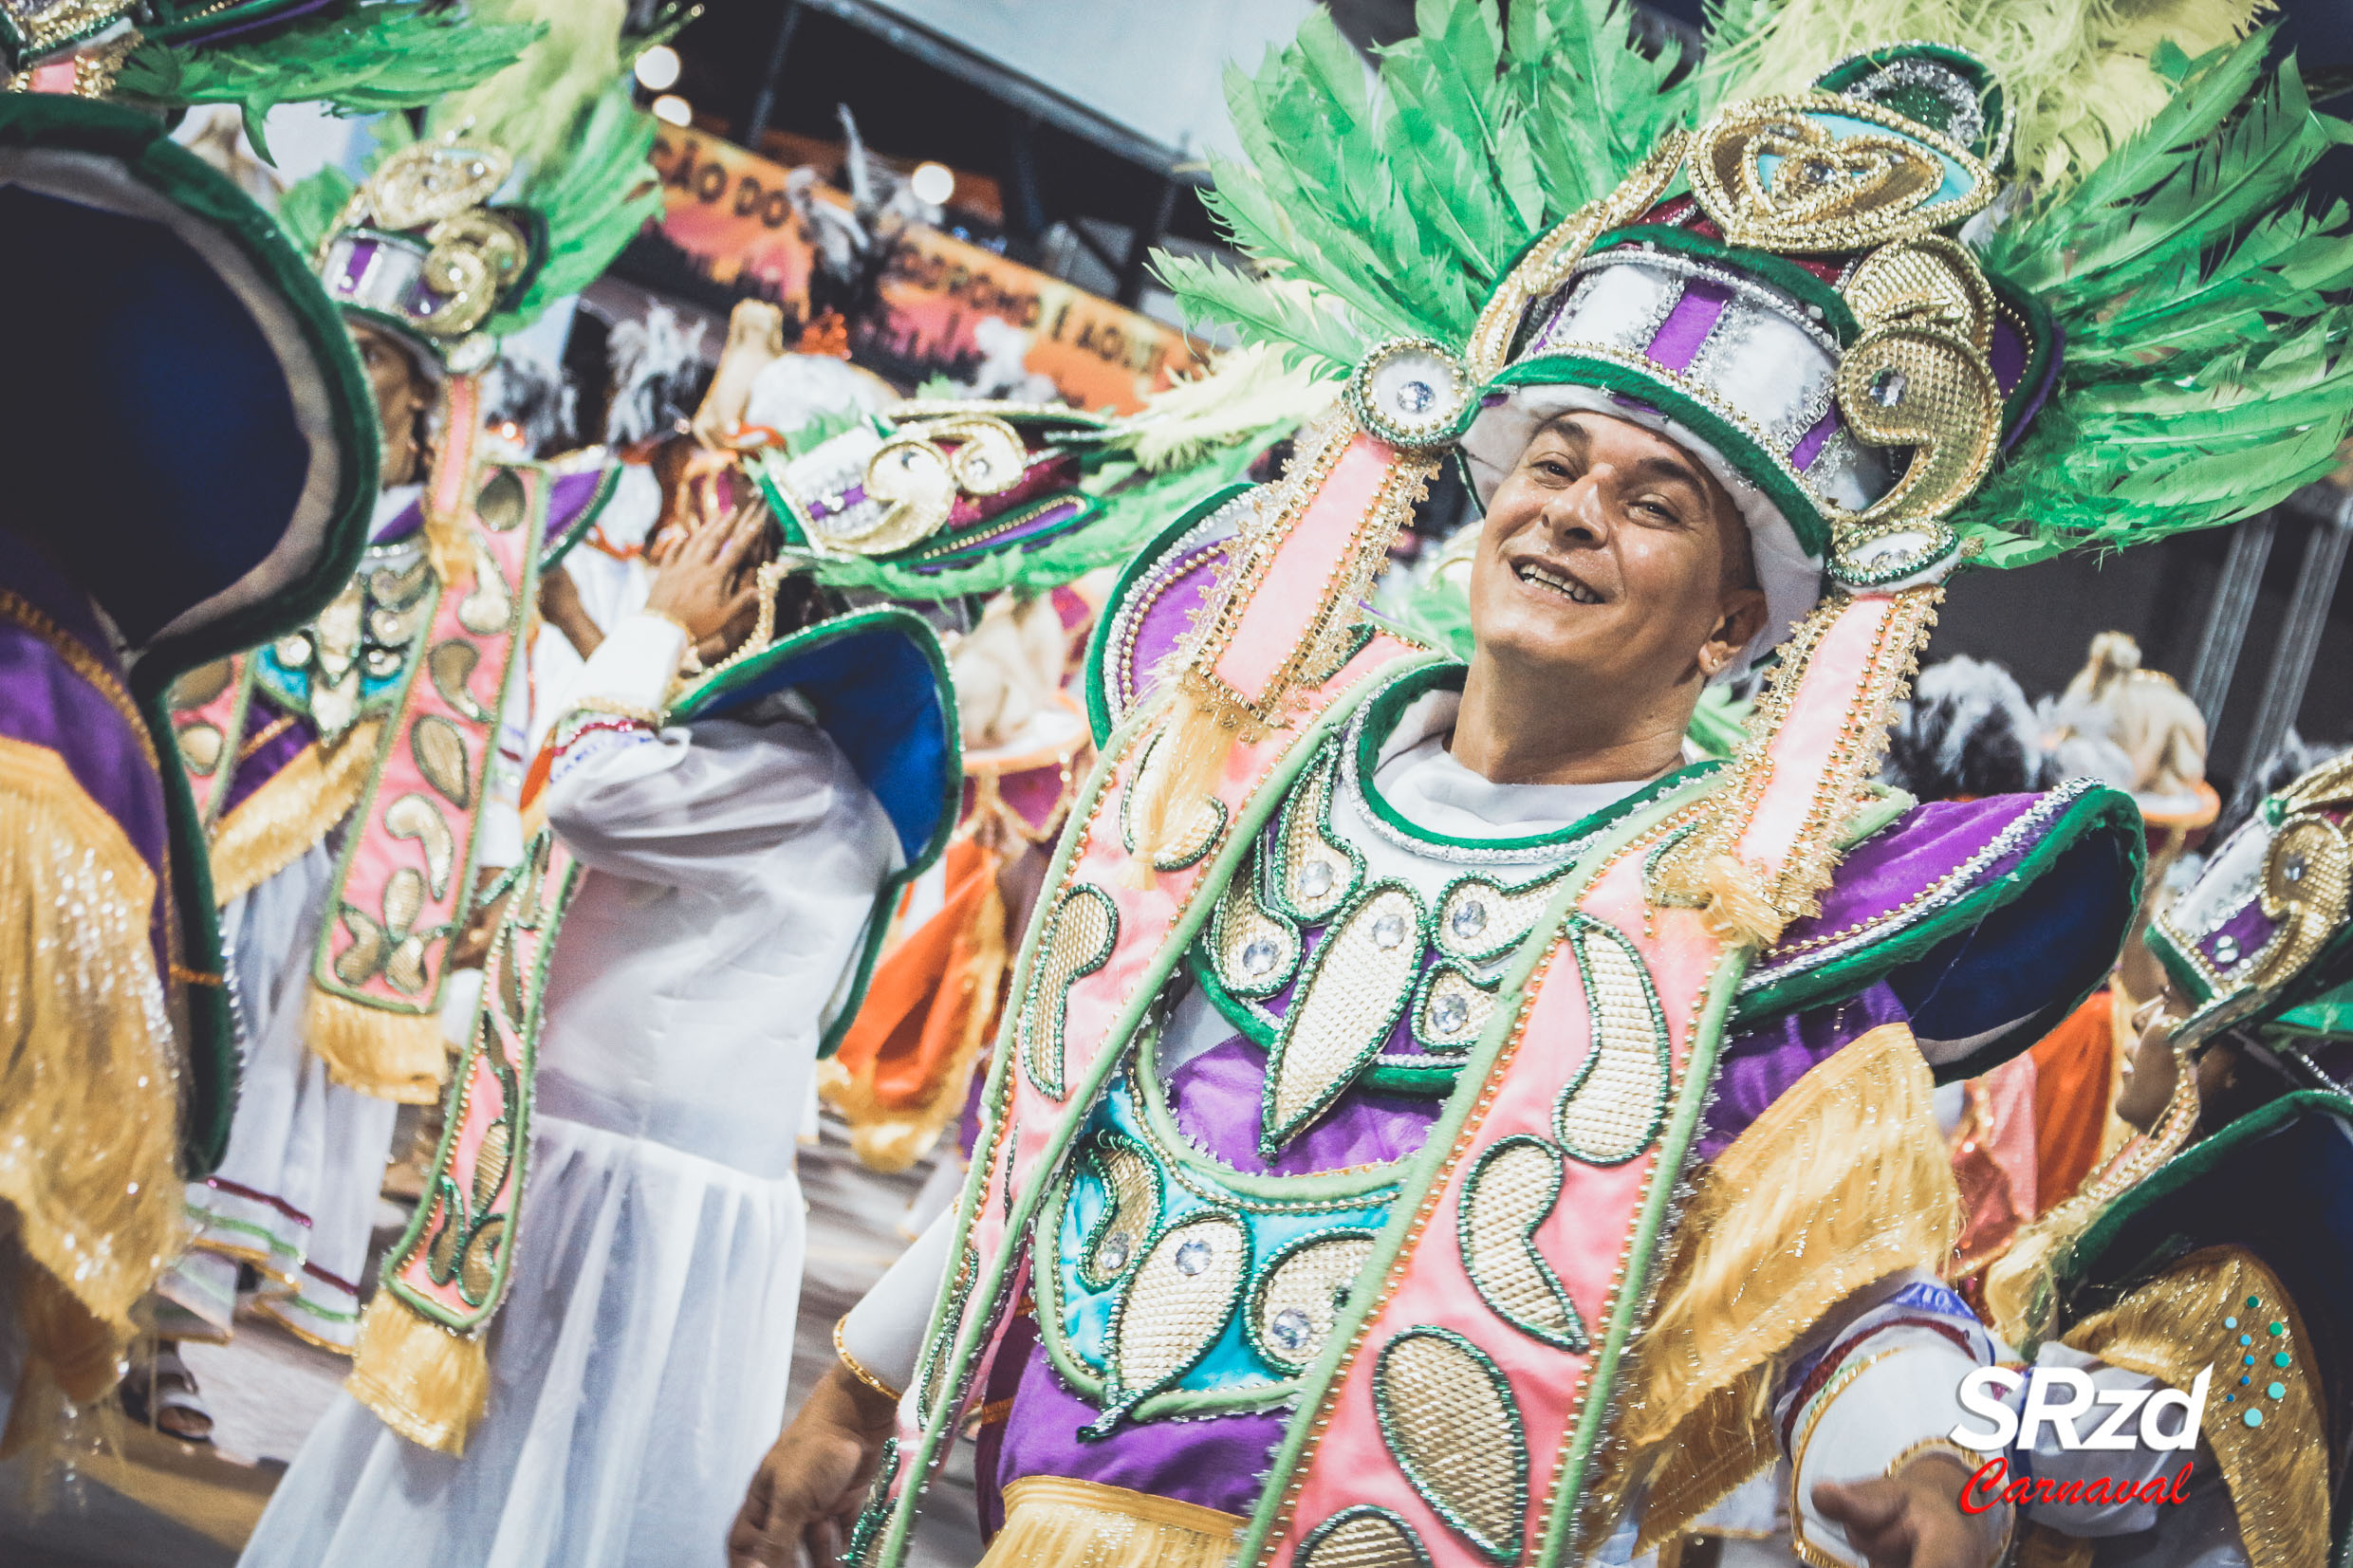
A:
(2179, 967)
(1381, 716)
(734, 678)
(1098, 643)
(1766, 471)
(1779, 271)
(213, 1062)
(2095, 809)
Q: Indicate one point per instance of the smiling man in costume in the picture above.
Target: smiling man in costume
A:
(1432, 1128)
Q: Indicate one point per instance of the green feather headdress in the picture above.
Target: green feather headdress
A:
(2160, 220)
(534, 180)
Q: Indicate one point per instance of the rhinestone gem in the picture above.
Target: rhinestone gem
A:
(1416, 396)
(1470, 917)
(1115, 1250)
(1888, 387)
(1449, 1013)
(1316, 878)
(1290, 1330)
(1192, 1256)
(2293, 869)
(1388, 930)
(1259, 956)
(2226, 950)
(1819, 173)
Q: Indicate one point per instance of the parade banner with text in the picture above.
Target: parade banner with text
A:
(947, 306)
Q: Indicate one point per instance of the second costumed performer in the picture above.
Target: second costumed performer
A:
(1432, 1126)
(719, 858)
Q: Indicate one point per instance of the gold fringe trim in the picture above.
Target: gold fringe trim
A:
(89, 1079)
(1844, 1180)
(1051, 1522)
(2171, 1329)
(296, 809)
(424, 1382)
(392, 1055)
(891, 1138)
(1176, 777)
(1738, 909)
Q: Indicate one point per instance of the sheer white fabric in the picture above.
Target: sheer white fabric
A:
(639, 1363)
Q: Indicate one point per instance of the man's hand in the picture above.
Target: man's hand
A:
(808, 1489)
(560, 606)
(711, 583)
(1913, 1520)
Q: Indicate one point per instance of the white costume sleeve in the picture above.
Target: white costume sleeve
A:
(884, 1331)
(695, 808)
(2075, 1471)
(1873, 1386)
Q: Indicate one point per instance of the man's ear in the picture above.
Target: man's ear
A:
(1740, 617)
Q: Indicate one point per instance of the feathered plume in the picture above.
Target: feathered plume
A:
(657, 372)
(361, 59)
(1967, 730)
(1394, 211)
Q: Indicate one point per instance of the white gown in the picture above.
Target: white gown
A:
(640, 1364)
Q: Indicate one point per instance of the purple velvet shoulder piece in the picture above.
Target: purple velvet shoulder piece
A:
(574, 500)
(1988, 919)
(62, 690)
(1154, 608)
(274, 738)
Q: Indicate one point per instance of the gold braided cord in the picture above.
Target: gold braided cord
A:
(858, 1368)
(297, 807)
(2177, 1325)
(89, 1083)
(1844, 1180)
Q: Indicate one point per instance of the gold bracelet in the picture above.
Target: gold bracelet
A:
(856, 1367)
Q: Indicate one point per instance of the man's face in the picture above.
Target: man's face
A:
(1608, 553)
(402, 394)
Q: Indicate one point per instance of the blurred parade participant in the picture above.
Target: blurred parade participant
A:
(355, 796)
(1376, 1006)
(2180, 1267)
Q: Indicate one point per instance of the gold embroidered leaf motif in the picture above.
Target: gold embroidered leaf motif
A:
(1617, 1096)
(1364, 1537)
(478, 1274)
(399, 589)
(357, 964)
(1356, 987)
(500, 505)
(195, 688)
(1301, 1294)
(1447, 1415)
(1453, 1012)
(490, 1163)
(405, 899)
(451, 665)
(1076, 943)
(1256, 953)
(1510, 1193)
(485, 609)
(414, 817)
(1132, 1191)
(1319, 874)
(335, 634)
(1173, 1308)
(439, 748)
(1202, 829)
(1478, 919)
(509, 968)
(200, 747)
(448, 1229)
(392, 628)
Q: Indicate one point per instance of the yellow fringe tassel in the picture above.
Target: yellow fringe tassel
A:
(295, 810)
(1844, 1180)
(1166, 799)
(1739, 910)
(424, 1382)
(89, 1085)
(392, 1055)
(2172, 1328)
(1051, 1522)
